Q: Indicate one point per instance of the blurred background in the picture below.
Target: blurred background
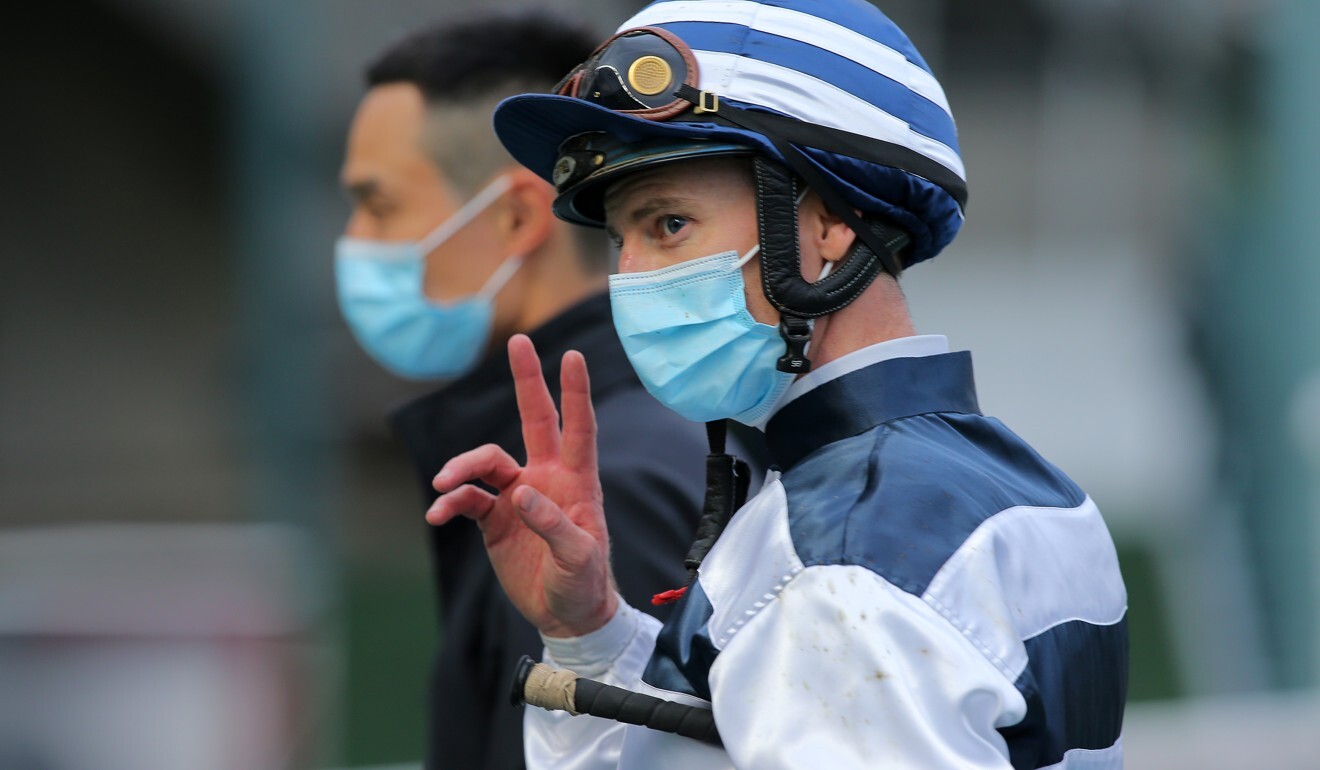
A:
(212, 554)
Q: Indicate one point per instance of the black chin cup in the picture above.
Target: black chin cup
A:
(781, 261)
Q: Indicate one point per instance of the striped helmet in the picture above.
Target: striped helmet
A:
(832, 89)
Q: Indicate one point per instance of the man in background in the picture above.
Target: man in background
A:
(450, 250)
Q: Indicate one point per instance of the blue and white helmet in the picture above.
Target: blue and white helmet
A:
(831, 90)
(841, 65)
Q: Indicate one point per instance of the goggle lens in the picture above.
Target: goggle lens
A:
(638, 72)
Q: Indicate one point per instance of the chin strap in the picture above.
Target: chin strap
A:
(797, 299)
(727, 480)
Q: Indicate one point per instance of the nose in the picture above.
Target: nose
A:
(634, 257)
(627, 261)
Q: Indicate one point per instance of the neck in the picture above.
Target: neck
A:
(879, 315)
(554, 279)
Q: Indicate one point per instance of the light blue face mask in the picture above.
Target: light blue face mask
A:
(696, 348)
(381, 298)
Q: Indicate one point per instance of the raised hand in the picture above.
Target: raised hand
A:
(545, 530)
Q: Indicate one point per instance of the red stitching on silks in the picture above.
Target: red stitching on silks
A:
(668, 597)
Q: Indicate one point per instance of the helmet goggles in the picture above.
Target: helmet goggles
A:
(637, 72)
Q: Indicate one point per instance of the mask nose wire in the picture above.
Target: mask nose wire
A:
(465, 214)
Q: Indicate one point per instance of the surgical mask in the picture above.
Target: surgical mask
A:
(696, 348)
(381, 298)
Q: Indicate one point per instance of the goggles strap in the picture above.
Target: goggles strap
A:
(798, 132)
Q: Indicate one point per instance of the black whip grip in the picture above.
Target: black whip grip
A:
(560, 689)
(634, 708)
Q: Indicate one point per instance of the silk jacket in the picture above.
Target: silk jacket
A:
(913, 588)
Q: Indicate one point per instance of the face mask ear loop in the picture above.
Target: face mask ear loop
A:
(500, 277)
(465, 214)
(744, 259)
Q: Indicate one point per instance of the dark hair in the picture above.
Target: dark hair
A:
(476, 54)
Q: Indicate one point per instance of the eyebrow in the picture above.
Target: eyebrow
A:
(656, 205)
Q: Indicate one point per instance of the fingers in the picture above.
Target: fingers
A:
(579, 592)
(473, 502)
(488, 463)
(572, 547)
(540, 420)
(579, 437)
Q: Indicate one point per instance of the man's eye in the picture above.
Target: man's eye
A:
(672, 224)
(378, 209)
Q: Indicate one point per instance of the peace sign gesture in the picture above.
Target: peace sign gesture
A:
(545, 530)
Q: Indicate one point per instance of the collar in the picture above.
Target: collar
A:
(902, 347)
(868, 388)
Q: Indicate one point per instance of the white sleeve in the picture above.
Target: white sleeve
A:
(614, 654)
(844, 670)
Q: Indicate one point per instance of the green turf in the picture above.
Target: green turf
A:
(1153, 674)
(391, 636)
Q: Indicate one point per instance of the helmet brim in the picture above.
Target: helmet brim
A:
(533, 128)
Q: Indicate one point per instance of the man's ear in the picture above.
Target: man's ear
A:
(823, 232)
(526, 219)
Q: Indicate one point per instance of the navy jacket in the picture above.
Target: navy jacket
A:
(652, 465)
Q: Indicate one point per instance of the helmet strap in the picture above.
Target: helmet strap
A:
(781, 258)
(796, 333)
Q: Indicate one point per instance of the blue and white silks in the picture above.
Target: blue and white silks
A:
(916, 588)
